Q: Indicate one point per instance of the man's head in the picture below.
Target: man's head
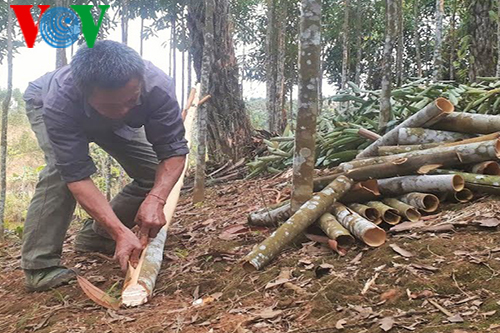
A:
(111, 75)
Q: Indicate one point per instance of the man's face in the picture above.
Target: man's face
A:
(116, 103)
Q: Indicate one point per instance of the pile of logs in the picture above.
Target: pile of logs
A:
(436, 154)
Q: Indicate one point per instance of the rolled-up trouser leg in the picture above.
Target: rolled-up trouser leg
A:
(50, 210)
(140, 162)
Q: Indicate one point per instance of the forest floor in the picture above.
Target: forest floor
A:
(445, 281)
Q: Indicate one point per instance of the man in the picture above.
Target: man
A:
(110, 96)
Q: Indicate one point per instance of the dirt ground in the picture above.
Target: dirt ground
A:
(439, 279)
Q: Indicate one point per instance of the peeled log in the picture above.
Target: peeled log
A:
(469, 153)
(389, 214)
(392, 150)
(405, 210)
(426, 117)
(483, 189)
(334, 230)
(414, 136)
(425, 202)
(272, 216)
(306, 215)
(361, 228)
(469, 123)
(440, 183)
(491, 168)
(369, 213)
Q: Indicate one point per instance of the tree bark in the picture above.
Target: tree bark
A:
(124, 21)
(5, 119)
(385, 95)
(434, 184)
(498, 39)
(425, 202)
(305, 133)
(469, 123)
(141, 45)
(400, 49)
(229, 133)
(414, 136)
(438, 41)
(345, 45)
(173, 27)
(481, 29)
(416, 38)
(453, 38)
(208, 59)
(305, 216)
(472, 178)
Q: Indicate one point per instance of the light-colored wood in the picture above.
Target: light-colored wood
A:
(140, 281)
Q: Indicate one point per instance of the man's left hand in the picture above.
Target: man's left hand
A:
(150, 218)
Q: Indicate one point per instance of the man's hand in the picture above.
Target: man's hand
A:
(128, 249)
(150, 218)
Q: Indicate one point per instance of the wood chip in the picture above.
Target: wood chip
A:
(401, 251)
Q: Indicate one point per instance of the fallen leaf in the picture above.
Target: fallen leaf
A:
(489, 223)
(284, 277)
(117, 317)
(456, 319)
(390, 295)
(401, 251)
(422, 294)
(448, 227)
(387, 324)
(488, 314)
(425, 267)
(407, 226)
(268, 313)
(340, 324)
(357, 259)
(233, 232)
(97, 295)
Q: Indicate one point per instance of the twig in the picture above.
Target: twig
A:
(369, 284)
(440, 308)
(456, 284)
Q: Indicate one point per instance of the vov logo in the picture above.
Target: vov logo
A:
(60, 27)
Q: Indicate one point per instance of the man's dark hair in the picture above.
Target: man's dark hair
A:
(108, 64)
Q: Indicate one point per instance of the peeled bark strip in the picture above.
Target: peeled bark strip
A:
(405, 210)
(472, 177)
(469, 153)
(389, 214)
(334, 230)
(312, 210)
(426, 117)
(361, 228)
(140, 282)
(469, 123)
(491, 168)
(364, 133)
(369, 213)
(361, 192)
(272, 216)
(440, 183)
(425, 202)
(414, 136)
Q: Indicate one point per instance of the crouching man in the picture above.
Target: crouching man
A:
(127, 106)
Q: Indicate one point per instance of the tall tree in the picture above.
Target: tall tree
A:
(5, 113)
(416, 38)
(124, 21)
(229, 130)
(206, 69)
(438, 58)
(385, 96)
(453, 39)
(275, 64)
(498, 39)
(481, 28)
(400, 48)
(345, 45)
(305, 131)
(359, 42)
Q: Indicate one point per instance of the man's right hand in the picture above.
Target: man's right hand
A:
(128, 249)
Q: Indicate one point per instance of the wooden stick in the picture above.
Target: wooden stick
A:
(140, 282)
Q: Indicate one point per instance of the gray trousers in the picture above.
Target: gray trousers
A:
(52, 207)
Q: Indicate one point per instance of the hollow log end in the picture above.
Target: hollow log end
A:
(374, 237)
(413, 215)
(445, 105)
(458, 183)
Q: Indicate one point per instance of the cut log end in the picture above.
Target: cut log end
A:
(371, 214)
(391, 217)
(464, 195)
(345, 240)
(490, 168)
(430, 203)
(134, 295)
(445, 105)
(458, 183)
(374, 237)
(413, 215)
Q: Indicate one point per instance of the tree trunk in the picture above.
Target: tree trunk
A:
(438, 58)
(5, 118)
(425, 202)
(173, 26)
(481, 29)
(190, 71)
(124, 21)
(208, 59)
(141, 46)
(385, 95)
(416, 38)
(345, 45)
(416, 136)
(359, 43)
(183, 79)
(229, 131)
(400, 49)
(453, 38)
(427, 184)
(498, 38)
(305, 133)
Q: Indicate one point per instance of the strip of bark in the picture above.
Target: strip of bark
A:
(334, 230)
(306, 215)
(405, 210)
(415, 136)
(361, 228)
(425, 202)
(439, 183)
(426, 117)
(389, 214)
